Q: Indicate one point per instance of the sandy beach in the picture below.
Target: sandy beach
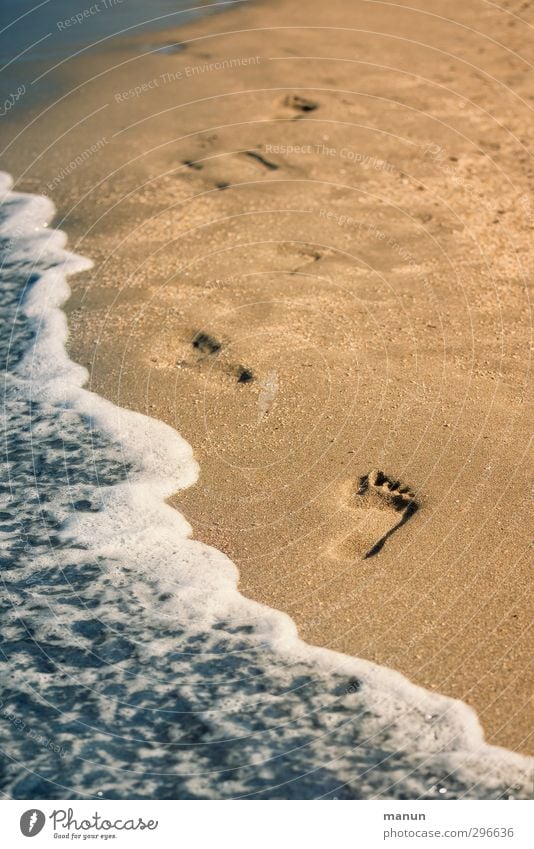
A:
(312, 234)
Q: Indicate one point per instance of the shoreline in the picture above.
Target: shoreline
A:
(358, 252)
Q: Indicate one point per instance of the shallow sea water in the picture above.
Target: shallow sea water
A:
(56, 29)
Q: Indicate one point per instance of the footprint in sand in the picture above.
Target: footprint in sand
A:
(210, 357)
(295, 106)
(233, 166)
(262, 160)
(296, 257)
(298, 104)
(378, 508)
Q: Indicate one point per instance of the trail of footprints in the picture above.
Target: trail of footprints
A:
(290, 107)
(374, 511)
(377, 508)
(380, 506)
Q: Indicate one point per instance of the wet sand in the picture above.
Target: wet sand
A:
(312, 233)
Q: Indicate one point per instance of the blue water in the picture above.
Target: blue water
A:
(33, 29)
(131, 666)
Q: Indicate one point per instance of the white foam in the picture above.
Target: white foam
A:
(202, 581)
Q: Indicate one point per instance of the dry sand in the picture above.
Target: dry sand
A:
(354, 228)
